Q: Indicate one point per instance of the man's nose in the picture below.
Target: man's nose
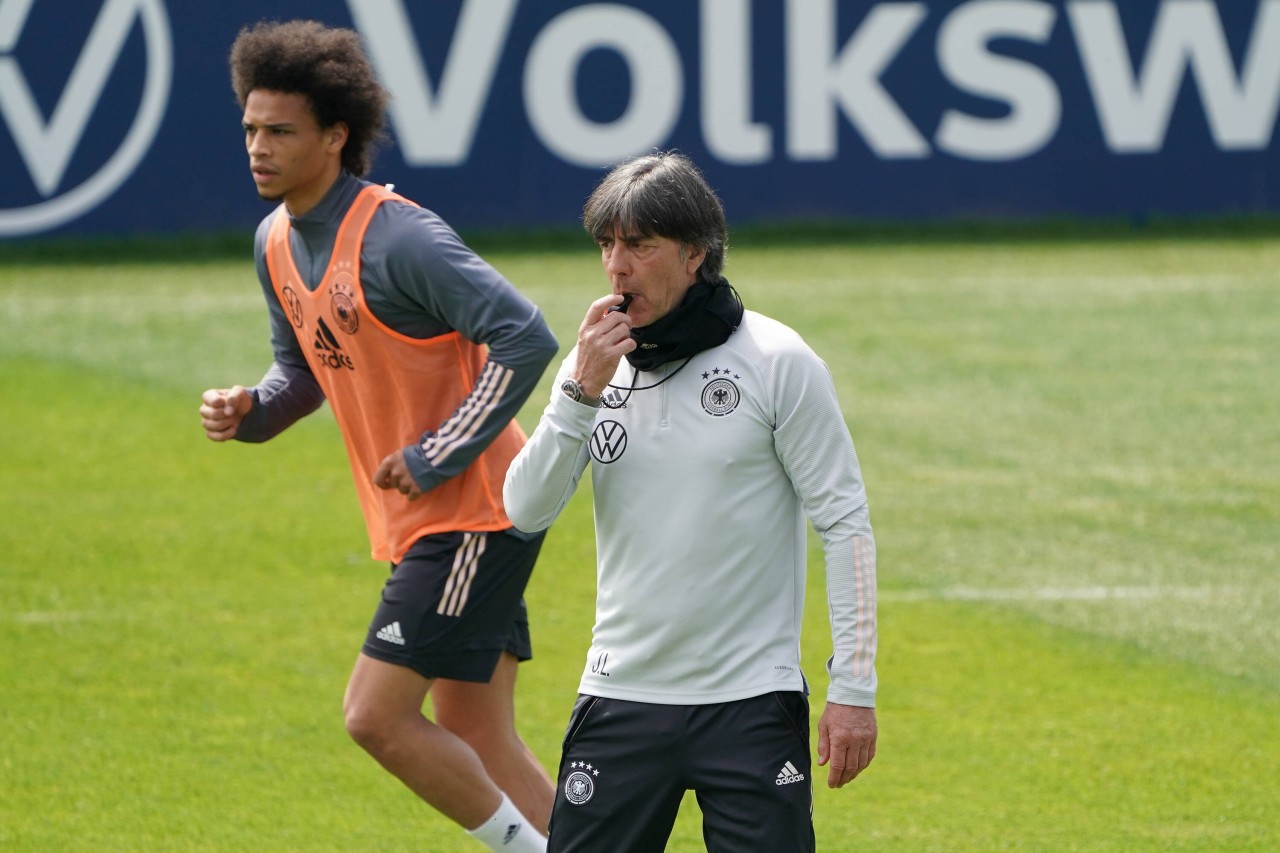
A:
(616, 261)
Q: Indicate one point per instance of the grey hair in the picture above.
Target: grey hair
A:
(661, 195)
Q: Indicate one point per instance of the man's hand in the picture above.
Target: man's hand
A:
(846, 738)
(222, 410)
(393, 473)
(603, 339)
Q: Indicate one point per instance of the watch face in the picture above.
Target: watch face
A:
(573, 389)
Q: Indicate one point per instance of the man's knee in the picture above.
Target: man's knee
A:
(365, 724)
(381, 701)
(375, 723)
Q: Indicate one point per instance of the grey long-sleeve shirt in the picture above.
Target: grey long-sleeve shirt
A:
(420, 280)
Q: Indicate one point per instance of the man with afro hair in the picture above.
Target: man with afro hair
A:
(424, 353)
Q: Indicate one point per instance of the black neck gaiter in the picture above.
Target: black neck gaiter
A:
(705, 318)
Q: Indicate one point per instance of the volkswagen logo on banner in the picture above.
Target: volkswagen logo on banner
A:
(46, 139)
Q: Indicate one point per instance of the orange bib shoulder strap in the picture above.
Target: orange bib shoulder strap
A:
(350, 232)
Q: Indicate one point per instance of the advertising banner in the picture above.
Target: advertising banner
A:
(117, 116)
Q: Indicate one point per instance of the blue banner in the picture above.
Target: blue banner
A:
(117, 116)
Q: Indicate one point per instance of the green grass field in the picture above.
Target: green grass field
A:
(1072, 448)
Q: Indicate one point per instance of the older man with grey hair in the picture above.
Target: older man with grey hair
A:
(712, 432)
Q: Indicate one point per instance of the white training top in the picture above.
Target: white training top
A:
(701, 488)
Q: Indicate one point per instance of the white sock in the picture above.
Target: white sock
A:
(508, 832)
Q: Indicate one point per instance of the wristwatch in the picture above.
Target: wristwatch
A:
(572, 389)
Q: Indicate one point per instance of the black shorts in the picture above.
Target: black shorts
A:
(454, 604)
(626, 766)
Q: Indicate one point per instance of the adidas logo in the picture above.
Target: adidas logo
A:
(329, 351)
(512, 831)
(615, 399)
(788, 775)
(391, 634)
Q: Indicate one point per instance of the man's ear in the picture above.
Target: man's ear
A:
(336, 135)
(694, 257)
